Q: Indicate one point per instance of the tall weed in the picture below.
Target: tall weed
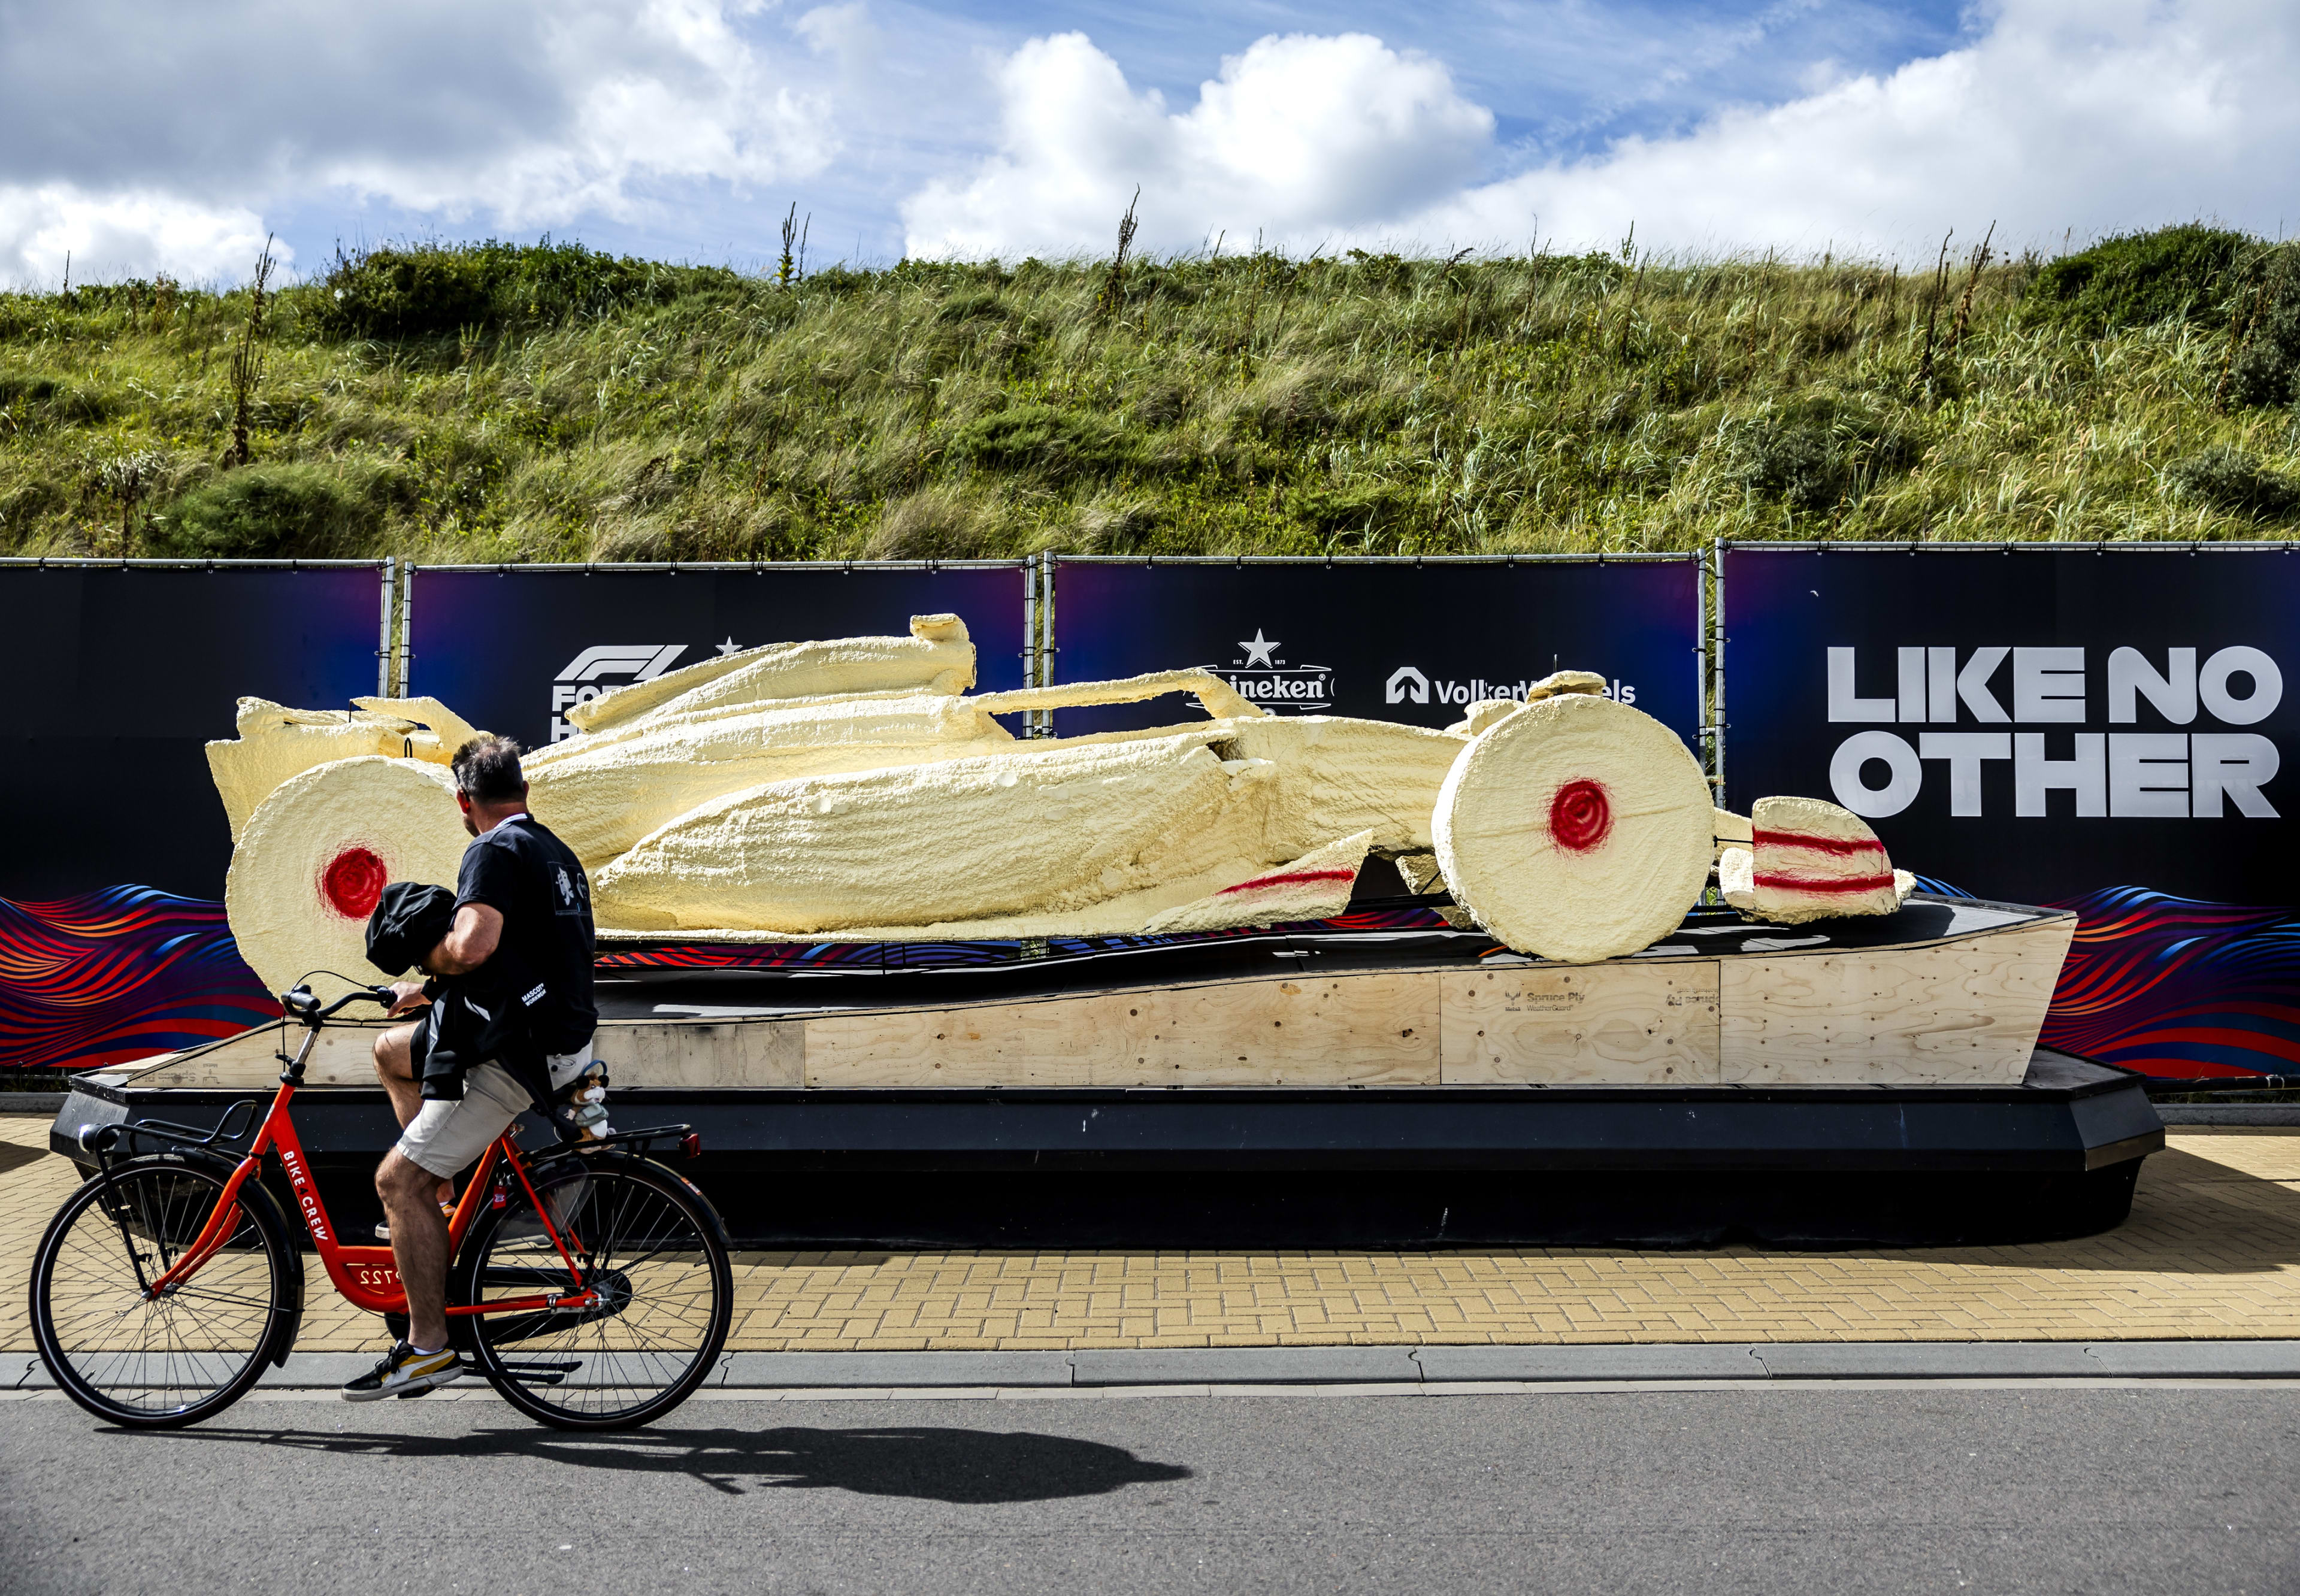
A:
(496, 402)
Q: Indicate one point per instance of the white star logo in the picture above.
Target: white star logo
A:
(727, 647)
(1258, 650)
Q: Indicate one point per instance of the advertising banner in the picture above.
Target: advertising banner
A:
(511, 649)
(112, 943)
(1381, 639)
(2106, 731)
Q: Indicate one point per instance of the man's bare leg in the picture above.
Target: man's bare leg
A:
(419, 1245)
(395, 1067)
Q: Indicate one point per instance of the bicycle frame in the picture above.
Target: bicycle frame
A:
(367, 1278)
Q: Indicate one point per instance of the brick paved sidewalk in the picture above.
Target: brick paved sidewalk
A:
(2212, 1249)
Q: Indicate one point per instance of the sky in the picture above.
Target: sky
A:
(144, 136)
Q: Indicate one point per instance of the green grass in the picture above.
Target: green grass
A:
(489, 403)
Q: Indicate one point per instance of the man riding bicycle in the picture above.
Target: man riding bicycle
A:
(518, 956)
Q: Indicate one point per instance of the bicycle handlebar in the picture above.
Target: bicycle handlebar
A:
(304, 1003)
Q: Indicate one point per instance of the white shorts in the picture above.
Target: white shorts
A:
(446, 1137)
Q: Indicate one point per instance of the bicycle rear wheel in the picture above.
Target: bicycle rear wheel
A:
(155, 1364)
(649, 1243)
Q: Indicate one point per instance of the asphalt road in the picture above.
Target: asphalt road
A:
(1780, 1489)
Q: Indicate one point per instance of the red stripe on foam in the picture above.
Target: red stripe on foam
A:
(1288, 880)
(1815, 884)
(1819, 844)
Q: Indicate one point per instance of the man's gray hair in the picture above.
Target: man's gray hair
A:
(486, 769)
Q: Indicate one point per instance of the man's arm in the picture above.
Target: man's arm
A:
(469, 942)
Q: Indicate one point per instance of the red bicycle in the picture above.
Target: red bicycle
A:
(590, 1284)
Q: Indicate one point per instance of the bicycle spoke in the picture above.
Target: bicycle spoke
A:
(659, 1313)
(141, 1357)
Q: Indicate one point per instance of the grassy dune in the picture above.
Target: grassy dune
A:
(494, 404)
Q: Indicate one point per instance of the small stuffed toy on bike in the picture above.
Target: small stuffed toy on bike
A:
(579, 1111)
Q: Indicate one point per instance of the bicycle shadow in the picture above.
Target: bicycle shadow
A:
(964, 1467)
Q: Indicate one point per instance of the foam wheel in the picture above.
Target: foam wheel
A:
(316, 856)
(1578, 828)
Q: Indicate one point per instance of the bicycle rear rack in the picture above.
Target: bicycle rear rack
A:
(102, 1139)
(688, 1139)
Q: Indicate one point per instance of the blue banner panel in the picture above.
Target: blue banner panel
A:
(122, 675)
(1381, 640)
(2105, 731)
(113, 944)
(512, 649)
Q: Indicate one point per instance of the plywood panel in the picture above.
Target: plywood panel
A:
(1374, 1030)
(1967, 1011)
(249, 1062)
(642, 1054)
(1964, 1011)
(991, 1044)
(759, 1054)
(1626, 1023)
(1365, 1030)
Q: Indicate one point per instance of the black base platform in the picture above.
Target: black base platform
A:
(2054, 1156)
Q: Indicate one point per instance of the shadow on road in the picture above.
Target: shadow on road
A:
(968, 1466)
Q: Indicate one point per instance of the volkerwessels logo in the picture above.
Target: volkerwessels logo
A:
(1261, 674)
(1408, 684)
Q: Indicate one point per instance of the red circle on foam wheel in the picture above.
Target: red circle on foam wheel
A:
(353, 883)
(1579, 816)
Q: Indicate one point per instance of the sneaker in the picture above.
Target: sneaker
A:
(404, 1372)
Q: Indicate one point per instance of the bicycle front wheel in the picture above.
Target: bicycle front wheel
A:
(649, 1244)
(155, 1363)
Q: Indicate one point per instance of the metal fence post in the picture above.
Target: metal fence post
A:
(1042, 721)
(1716, 635)
(1029, 628)
(403, 655)
(384, 651)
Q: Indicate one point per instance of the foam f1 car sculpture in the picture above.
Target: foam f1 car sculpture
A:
(856, 789)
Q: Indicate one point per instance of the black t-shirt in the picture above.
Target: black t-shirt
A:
(536, 884)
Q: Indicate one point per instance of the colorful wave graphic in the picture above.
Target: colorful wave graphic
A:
(2178, 988)
(109, 976)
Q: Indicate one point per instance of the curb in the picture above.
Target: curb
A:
(1435, 1366)
(2176, 1114)
(32, 1102)
(1427, 1367)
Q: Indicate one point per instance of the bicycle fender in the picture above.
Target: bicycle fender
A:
(594, 1159)
(288, 1317)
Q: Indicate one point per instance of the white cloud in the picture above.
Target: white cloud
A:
(149, 134)
(667, 89)
(103, 236)
(1298, 135)
(2088, 115)
(2085, 115)
(523, 113)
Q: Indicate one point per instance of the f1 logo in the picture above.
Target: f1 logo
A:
(641, 661)
(578, 681)
(1406, 685)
